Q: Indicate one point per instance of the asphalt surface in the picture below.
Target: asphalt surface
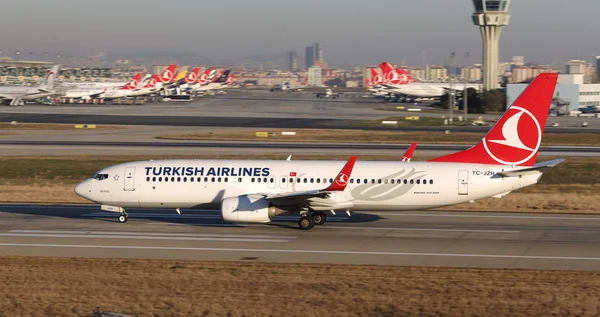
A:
(246, 122)
(424, 238)
(325, 147)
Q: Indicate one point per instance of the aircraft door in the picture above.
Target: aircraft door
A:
(463, 182)
(129, 179)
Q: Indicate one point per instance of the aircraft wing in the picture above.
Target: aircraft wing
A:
(339, 184)
(5, 96)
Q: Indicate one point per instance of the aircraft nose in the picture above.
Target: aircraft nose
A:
(82, 189)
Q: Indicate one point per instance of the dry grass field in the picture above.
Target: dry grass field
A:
(366, 136)
(35, 286)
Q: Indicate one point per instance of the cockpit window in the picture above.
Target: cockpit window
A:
(100, 176)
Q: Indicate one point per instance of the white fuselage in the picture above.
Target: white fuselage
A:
(373, 186)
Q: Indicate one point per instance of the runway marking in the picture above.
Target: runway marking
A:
(133, 233)
(483, 216)
(422, 229)
(134, 237)
(125, 247)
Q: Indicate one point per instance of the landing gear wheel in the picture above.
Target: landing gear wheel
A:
(306, 223)
(123, 218)
(319, 218)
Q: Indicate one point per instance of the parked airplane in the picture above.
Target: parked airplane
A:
(225, 79)
(398, 81)
(15, 95)
(124, 91)
(152, 86)
(256, 191)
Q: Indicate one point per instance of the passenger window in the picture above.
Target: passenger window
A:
(185, 179)
(392, 181)
(147, 179)
(212, 180)
(258, 179)
(418, 181)
(312, 180)
(431, 181)
(271, 180)
(226, 179)
(283, 180)
(191, 179)
(331, 181)
(265, 179)
(219, 179)
(172, 179)
(206, 179)
(160, 179)
(199, 179)
(424, 182)
(291, 180)
(372, 181)
(252, 180)
(318, 180)
(239, 180)
(352, 181)
(405, 182)
(166, 179)
(305, 180)
(154, 179)
(412, 181)
(324, 180)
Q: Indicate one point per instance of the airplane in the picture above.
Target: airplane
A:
(206, 77)
(328, 93)
(256, 191)
(153, 85)
(290, 88)
(225, 79)
(398, 81)
(16, 95)
(122, 92)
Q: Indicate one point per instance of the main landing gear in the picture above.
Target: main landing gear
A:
(309, 220)
(123, 217)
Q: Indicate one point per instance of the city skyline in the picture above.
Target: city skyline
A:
(353, 35)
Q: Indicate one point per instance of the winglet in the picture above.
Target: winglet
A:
(409, 152)
(341, 180)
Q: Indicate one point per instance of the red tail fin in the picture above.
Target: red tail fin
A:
(375, 78)
(515, 139)
(152, 82)
(405, 77)
(192, 77)
(133, 83)
(169, 74)
(204, 77)
(409, 152)
(390, 76)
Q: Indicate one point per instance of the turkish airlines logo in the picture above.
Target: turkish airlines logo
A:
(167, 75)
(403, 78)
(192, 77)
(342, 180)
(376, 79)
(152, 83)
(518, 140)
(405, 159)
(133, 83)
(203, 78)
(392, 77)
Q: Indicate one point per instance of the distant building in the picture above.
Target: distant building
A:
(597, 67)
(310, 56)
(571, 89)
(318, 52)
(315, 76)
(417, 73)
(292, 61)
(436, 73)
(518, 60)
(582, 67)
(524, 74)
(471, 73)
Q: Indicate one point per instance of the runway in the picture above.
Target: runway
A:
(424, 238)
(267, 122)
(290, 147)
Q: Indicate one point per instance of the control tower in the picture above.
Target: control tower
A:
(490, 16)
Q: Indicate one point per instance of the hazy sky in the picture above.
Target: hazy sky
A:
(350, 32)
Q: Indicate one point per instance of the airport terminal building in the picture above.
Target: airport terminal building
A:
(570, 90)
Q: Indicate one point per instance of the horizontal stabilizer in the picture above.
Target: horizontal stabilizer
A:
(536, 167)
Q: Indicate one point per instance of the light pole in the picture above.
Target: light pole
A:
(18, 53)
(452, 98)
(466, 91)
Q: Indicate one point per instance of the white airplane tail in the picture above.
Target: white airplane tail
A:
(48, 82)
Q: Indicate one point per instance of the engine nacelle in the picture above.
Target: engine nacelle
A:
(246, 209)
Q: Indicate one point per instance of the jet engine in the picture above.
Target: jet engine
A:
(247, 209)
